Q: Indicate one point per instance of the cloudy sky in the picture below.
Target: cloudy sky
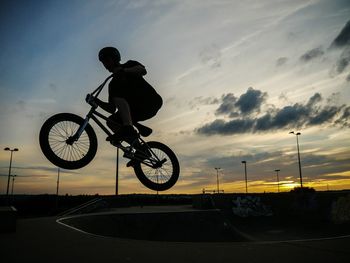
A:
(236, 77)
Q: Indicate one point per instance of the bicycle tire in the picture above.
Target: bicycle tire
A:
(53, 135)
(143, 172)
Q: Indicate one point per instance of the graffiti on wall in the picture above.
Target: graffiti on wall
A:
(247, 206)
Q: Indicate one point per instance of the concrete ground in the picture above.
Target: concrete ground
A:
(44, 240)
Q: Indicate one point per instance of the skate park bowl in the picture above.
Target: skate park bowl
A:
(211, 225)
(181, 226)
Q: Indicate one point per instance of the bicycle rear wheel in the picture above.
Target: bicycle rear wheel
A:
(53, 141)
(164, 174)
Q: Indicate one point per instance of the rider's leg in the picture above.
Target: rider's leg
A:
(123, 109)
(126, 130)
(142, 151)
(114, 122)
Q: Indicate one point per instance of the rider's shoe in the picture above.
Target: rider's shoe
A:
(125, 133)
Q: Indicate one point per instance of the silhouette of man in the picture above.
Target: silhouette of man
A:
(135, 99)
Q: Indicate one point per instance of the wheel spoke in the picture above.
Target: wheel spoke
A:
(159, 175)
(58, 135)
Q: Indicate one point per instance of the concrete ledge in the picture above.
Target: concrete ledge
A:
(8, 218)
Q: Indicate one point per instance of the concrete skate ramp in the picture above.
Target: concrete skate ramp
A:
(185, 226)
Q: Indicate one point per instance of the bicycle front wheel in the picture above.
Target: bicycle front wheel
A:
(53, 141)
(162, 176)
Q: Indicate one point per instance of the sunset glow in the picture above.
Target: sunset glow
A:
(235, 76)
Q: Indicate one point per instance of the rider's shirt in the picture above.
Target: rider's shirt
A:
(140, 95)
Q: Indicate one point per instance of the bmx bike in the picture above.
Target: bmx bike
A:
(69, 141)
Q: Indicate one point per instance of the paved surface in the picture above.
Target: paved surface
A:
(44, 240)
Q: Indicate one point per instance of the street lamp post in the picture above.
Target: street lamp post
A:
(245, 173)
(13, 182)
(58, 185)
(278, 180)
(58, 181)
(217, 178)
(117, 173)
(8, 179)
(300, 175)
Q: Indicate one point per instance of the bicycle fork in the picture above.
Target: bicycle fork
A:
(82, 127)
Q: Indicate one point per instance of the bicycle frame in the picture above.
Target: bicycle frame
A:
(151, 162)
(93, 114)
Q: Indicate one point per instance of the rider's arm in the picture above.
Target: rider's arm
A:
(137, 70)
(107, 106)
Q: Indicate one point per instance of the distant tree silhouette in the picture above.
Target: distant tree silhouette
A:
(303, 190)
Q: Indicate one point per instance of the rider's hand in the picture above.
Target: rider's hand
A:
(88, 98)
(91, 100)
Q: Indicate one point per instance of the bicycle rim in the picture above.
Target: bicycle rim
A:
(57, 139)
(162, 174)
(161, 170)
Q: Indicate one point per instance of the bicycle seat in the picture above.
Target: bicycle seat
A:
(143, 130)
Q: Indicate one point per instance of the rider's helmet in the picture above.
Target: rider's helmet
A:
(109, 52)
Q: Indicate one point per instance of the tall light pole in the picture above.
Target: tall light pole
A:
(58, 180)
(13, 182)
(58, 185)
(245, 173)
(278, 180)
(300, 175)
(8, 179)
(217, 178)
(117, 173)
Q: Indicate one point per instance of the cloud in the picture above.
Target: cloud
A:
(316, 98)
(281, 61)
(248, 103)
(227, 128)
(298, 115)
(251, 101)
(211, 55)
(41, 169)
(343, 61)
(325, 115)
(334, 98)
(312, 54)
(227, 105)
(345, 118)
(343, 39)
(197, 101)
